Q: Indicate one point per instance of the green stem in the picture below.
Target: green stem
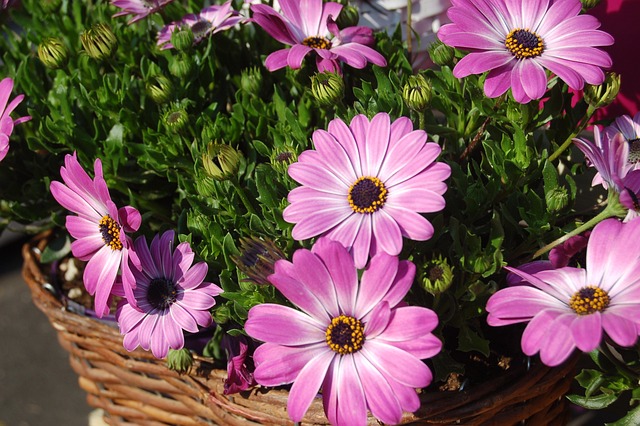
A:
(243, 196)
(409, 38)
(618, 363)
(585, 120)
(422, 121)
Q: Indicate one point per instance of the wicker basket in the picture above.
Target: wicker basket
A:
(136, 388)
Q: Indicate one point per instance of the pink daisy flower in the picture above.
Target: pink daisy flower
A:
(365, 184)
(355, 341)
(140, 9)
(569, 308)
(630, 130)
(517, 40)
(99, 229)
(608, 154)
(171, 295)
(209, 21)
(6, 108)
(309, 25)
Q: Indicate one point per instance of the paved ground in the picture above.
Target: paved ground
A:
(37, 385)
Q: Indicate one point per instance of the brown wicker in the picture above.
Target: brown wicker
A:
(136, 388)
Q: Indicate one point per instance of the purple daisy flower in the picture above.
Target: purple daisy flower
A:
(365, 184)
(608, 155)
(139, 8)
(570, 308)
(99, 229)
(516, 40)
(6, 108)
(171, 295)
(309, 25)
(630, 130)
(209, 21)
(356, 341)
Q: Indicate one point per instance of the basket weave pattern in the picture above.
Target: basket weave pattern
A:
(136, 388)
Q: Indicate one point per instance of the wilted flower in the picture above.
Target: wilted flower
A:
(99, 41)
(239, 364)
(355, 340)
(515, 41)
(315, 30)
(365, 185)
(140, 9)
(99, 229)
(6, 108)
(53, 53)
(171, 296)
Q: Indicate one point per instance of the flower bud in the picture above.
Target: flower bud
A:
(257, 259)
(589, 4)
(557, 199)
(181, 66)
(440, 53)
(436, 276)
(417, 93)
(251, 80)
(348, 17)
(603, 94)
(99, 41)
(159, 89)
(221, 314)
(179, 360)
(53, 53)
(175, 119)
(327, 88)
(282, 158)
(182, 39)
(221, 161)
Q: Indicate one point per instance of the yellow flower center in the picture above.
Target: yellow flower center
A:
(524, 43)
(110, 231)
(317, 42)
(367, 195)
(345, 335)
(588, 300)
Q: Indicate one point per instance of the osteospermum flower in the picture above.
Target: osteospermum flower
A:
(352, 340)
(140, 9)
(608, 155)
(570, 308)
(516, 40)
(629, 128)
(6, 108)
(309, 25)
(171, 295)
(209, 21)
(365, 185)
(99, 229)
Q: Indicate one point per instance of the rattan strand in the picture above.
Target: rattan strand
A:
(134, 388)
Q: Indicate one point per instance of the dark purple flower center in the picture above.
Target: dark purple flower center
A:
(367, 195)
(284, 157)
(436, 273)
(634, 150)
(524, 43)
(110, 231)
(162, 293)
(317, 42)
(345, 335)
(588, 300)
(200, 28)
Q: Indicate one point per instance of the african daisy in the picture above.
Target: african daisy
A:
(140, 9)
(6, 108)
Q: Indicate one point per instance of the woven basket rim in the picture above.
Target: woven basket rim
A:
(538, 384)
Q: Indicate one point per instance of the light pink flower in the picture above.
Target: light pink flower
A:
(309, 25)
(171, 296)
(356, 341)
(209, 21)
(140, 9)
(366, 184)
(569, 308)
(99, 229)
(6, 108)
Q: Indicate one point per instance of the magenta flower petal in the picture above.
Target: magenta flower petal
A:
(278, 365)
(286, 326)
(587, 331)
(6, 122)
(307, 384)
(140, 9)
(381, 399)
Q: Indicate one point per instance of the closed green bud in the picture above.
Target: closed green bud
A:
(348, 17)
(182, 39)
(440, 53)
(282, 158)
(221, 161)
(603, 94)
(53, 53)
(221, 314)
(179, 360)
(557, 199)
(589, 4)
(327, 88)
(99, 41)
(417, 93)
(181, 66)
(436, 276)
(251, 80)
(175, 119)
(159, 89)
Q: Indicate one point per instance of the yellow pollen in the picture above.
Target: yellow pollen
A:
(345, 335)
(523, 43)
(588, 300)
(317, 42)
(110, 231)
(367, 195)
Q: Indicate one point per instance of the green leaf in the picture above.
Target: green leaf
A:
(56, 249)
(631, 419)
(469, 340)
(594, 402)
